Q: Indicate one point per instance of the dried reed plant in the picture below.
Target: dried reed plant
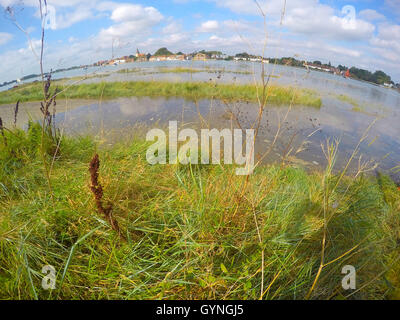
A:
(97, 190)
(2, 131)
(16, 109)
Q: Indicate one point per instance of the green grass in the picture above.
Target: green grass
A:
(197, 70)
(180, 70)
(108, 90)
(357, 109)
(132, 70)
(190, 234)
(356, 106)
(161, 70)
(350, 100)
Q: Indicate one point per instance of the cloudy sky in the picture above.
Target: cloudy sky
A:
(82, 32)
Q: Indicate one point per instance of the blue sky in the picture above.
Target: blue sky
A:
(82, 32)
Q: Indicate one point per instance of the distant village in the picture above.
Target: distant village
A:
(163, 54)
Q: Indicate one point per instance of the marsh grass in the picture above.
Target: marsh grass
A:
(188, 235)
(190, 90)
(132, 70)
(206, 69)
(197, 70)
(356, 105)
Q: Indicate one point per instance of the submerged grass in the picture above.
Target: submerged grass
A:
(180, 70)
(191, 90)
(188, 235)
(159, 70)
(197, 70)
(350, 100)
(356, 106)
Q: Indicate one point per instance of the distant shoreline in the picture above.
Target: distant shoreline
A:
(184, 61)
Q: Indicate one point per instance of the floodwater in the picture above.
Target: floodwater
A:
(301, 132)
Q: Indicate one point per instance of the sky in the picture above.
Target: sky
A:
(361, 33)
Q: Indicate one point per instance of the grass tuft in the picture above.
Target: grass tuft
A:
(190, 90)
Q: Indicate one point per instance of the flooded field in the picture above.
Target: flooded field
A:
(348, 108)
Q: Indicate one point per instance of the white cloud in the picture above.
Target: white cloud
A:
(308, 17)
(227, 41)
(393, 6)
(56, 3)
(326, 24)
(133, 21)
(387, 42)
(61, 13)
(269, 7)
(172, 27)
(68, 19)
(6, 3)
(176, 38)
(389, 32)
(240, 26)
(371, 15)
(30, 29)
(5, 37)
(344, 51)
(208, 26)
(388, 54)
(131, 12)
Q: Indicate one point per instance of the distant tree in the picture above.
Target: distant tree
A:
(30, 76)
(379, 77)
(361, 74)
(210, 53)
(242, 55)
(319, 63)
(163, 52)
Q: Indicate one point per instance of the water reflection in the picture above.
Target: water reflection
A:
(302, 133)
